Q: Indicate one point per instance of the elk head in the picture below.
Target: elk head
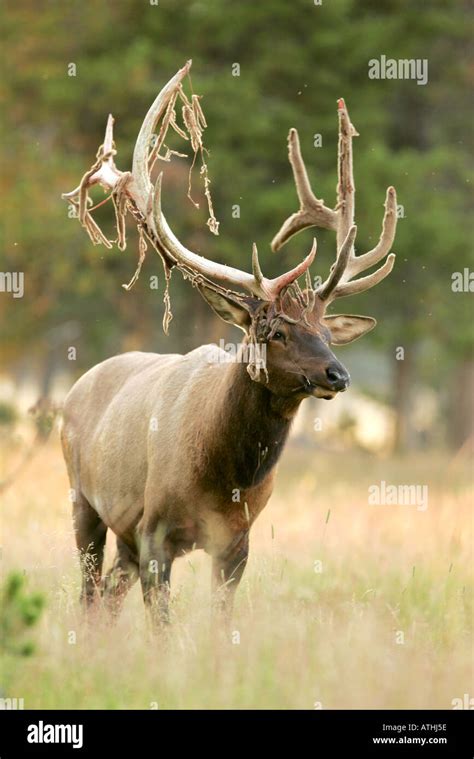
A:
(290, 321)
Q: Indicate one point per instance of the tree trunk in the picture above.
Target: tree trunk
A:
(48, 373)
(461, 414)
(402, 391)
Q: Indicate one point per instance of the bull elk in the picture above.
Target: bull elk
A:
(158, 446)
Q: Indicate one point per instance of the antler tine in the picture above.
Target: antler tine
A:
(389, 226)
(312, 211)
(140, 170)
(328, 288)
(104, 170)
(345, 186)
(257, 271)
(277, 284)
(365, 283)
(274, 286)
(108, 145)
(345, 207)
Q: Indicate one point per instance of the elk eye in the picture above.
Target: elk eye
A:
(278, 336)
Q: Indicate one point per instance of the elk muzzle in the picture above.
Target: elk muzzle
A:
(338, 377)
(327, 382)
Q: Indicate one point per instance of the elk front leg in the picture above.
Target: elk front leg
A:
(227, 571)
(155, 571)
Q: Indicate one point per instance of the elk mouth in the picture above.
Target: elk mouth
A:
(317, 390)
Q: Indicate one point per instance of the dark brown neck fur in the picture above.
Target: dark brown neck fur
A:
(251, 429)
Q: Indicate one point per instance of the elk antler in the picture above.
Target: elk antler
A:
(134, 192)
(313, 212)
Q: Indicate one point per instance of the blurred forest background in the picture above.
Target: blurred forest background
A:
(296, 58)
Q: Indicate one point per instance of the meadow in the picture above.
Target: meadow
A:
(343, 604)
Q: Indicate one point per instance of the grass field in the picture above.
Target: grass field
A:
(369, 607)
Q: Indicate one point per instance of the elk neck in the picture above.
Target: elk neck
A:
(250, 429)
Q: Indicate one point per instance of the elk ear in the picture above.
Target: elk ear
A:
(235, 309)
(345, 329)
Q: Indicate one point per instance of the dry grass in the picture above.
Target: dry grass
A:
(305, 636)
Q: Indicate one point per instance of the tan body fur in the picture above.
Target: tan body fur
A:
(143, 438)
(166, 406)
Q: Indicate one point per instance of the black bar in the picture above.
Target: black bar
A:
(139, 733)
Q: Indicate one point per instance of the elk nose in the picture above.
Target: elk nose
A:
(338, 378)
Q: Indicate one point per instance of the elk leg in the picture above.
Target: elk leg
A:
(155, 572)
(90, 534)
(123, 575)
(227, 571)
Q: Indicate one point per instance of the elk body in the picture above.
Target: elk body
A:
(175, 452)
